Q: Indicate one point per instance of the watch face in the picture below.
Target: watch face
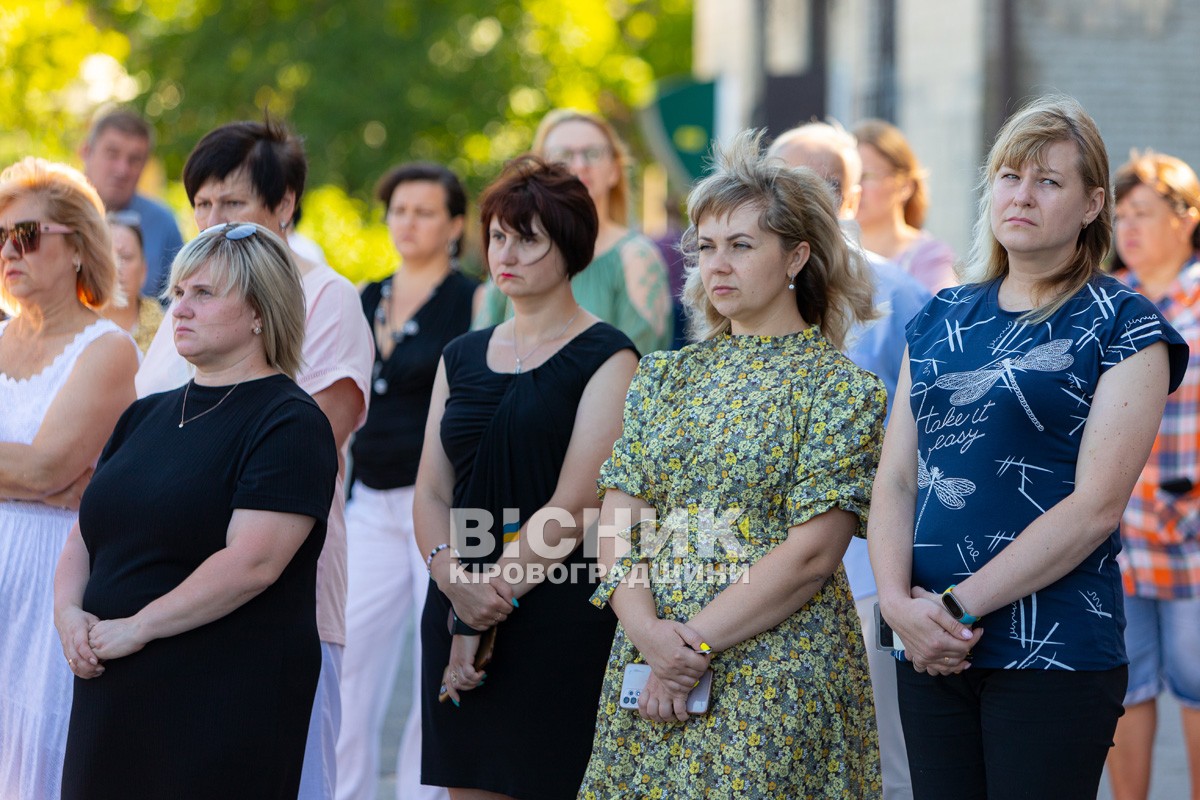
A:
(951, 604)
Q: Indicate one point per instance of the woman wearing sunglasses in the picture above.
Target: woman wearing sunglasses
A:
(185, 595)
(626, 283)
(255, 172)
(66, 375)
(522, 416)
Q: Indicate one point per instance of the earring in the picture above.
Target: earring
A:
(257, 330)
(791, 284)
(78, 267)
(283, 225)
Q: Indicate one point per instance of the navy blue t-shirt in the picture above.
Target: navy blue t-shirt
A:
(1000, 406)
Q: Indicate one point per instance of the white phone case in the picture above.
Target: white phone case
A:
(635, 679)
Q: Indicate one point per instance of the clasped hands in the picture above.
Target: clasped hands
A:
(481, 599)
(88, 641)
(673, 651)
(934, 641)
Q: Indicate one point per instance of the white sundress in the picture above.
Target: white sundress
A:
(35, 683)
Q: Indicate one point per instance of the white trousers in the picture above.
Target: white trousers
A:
(318, 779)
(893, 756)
(386, 592)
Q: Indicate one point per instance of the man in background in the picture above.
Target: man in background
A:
(832, 153)
(114, 154)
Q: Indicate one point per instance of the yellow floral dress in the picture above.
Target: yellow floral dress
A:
(764, 433)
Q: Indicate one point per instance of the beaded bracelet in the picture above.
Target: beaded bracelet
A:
(429, 558)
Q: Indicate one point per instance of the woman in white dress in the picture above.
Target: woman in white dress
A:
(66, 375)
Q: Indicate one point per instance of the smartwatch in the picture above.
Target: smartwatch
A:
(955, 608)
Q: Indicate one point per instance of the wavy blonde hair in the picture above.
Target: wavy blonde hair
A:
(1023, 140)
(66, 198)
(834, 289)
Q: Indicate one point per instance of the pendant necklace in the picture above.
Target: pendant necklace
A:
(183, 407)
(520, 358)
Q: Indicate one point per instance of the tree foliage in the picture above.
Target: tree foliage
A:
(369, 83)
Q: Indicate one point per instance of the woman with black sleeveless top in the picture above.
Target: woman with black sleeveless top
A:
(523, 415)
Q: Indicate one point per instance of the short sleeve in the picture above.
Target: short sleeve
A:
(291, 465)
(337, 341)
(837, 455)
(625, 470)
(623, 566)
(1136, 325)
(643, 308)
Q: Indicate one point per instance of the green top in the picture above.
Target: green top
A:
(642, 311)
(733, 441)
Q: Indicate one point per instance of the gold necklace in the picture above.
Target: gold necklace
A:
(538, 346)
(183, 406)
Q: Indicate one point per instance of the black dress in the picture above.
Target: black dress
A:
(221, 710)
(527, 732)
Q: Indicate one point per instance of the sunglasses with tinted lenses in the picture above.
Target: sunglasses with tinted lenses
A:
(26, 236)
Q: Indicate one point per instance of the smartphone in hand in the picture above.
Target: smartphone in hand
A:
(635, 679)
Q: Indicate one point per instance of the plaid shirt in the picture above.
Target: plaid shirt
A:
(1160, 531)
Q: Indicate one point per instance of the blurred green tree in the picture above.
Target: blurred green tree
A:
(367, 83)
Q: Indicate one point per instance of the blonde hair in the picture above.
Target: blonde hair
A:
(259, 269)
(67, 198)
(618, 195)
(833, 290)
(890, 143)
(1023, 140)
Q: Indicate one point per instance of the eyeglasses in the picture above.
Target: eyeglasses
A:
(27, 235)
(233, 230)
(590, 155)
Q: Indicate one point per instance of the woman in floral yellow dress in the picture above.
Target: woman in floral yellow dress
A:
(754, 450)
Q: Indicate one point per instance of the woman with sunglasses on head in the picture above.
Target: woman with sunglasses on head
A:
(66, 374)
(626, 284)
(138, 315)
(522, 416)
(255, 172)
(185, 595)
(415, 312)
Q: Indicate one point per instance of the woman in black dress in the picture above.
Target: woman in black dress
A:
(414, 313)
(523, 415)
(186, 593)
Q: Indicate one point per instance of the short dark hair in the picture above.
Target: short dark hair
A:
(122, 119)
(530, 187)
(456, 195)
(272, 157)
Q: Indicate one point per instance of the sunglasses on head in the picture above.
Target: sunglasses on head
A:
(233, 230)
(27, 235)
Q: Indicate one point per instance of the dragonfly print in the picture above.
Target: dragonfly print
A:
(970, 386)
(950, 491)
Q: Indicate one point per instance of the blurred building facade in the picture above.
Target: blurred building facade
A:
(948, 72)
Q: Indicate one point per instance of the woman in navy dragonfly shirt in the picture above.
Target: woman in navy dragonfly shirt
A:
(1034, 395)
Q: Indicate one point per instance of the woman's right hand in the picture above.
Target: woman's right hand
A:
(934, 642)
(672, 651)
(73, 626)
(480, 599)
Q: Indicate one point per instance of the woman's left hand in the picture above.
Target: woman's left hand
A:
(659, 704)
(460, 674)
(114, 638)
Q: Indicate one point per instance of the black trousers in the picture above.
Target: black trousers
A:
(1009, 734)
